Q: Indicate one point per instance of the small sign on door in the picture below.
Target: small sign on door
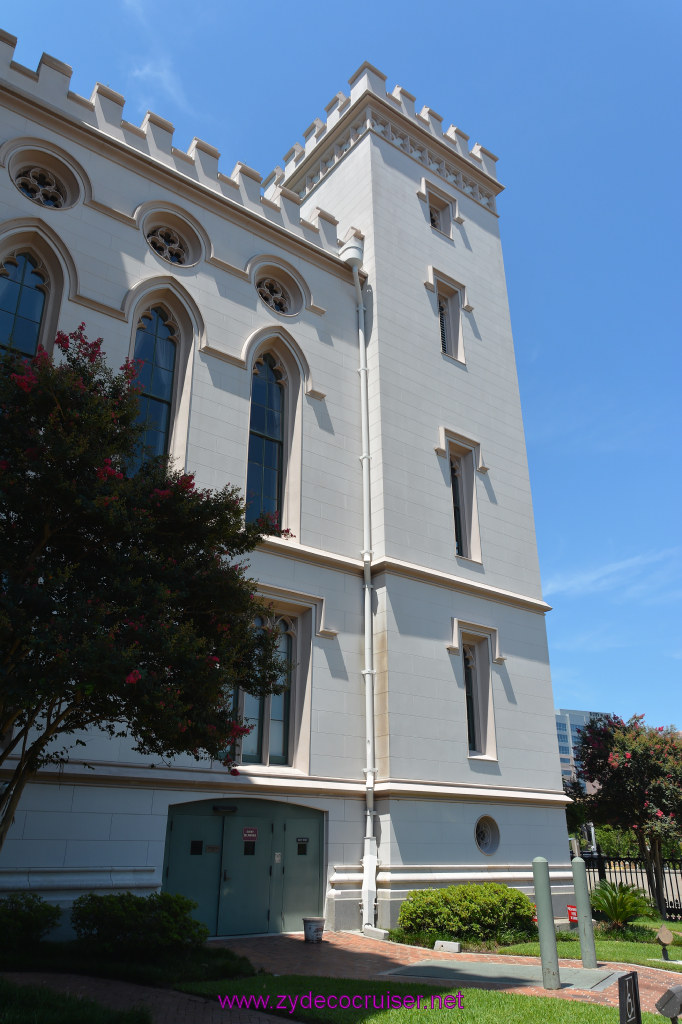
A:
(249, 834)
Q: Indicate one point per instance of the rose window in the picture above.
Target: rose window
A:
(168, 245)
(487, 835)
(274, 294)
(41, 186)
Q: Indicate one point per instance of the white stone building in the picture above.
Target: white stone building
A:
(418, 745)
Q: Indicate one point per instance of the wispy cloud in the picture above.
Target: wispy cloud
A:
(137, 9)
(594, 641)
(629, 573)
(161, 82)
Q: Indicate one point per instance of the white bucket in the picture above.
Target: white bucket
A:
(313, 929)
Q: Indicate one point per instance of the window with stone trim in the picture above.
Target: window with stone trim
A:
(270, 740)
(478, 700)
(156, 343)
(265, 474)
(449, 323)
(23, 291)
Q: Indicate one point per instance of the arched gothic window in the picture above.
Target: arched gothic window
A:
(156, 345)
(266, 441)
(23, 289)
(268, 741)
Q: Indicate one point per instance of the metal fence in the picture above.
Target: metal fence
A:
(632, 871)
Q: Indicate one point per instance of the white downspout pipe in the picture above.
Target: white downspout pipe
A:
(352, 253)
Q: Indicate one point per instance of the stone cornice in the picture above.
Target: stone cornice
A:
(396, 567)
(465, 791)
(371, 113)
(256, 779)
(279, 222)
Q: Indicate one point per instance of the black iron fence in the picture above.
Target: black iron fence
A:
(632, 871)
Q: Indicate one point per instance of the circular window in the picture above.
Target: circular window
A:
(274, 294)
(171, 238)
(41, 186)
(168, 244)
(278, 290)
(487, 835)
(44, 179)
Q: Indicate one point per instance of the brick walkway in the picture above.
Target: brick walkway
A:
(341, 955)
(349, 955)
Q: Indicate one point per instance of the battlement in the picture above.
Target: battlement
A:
(394, 117)
(102, 115)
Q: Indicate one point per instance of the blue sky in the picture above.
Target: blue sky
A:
(581, 103)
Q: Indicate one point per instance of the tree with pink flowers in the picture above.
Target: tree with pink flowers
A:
(125, 601)
(636, 773)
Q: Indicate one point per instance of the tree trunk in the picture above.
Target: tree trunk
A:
(645, 854)
(11, 797)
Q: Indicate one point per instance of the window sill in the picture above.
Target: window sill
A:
(465, 558)
(482, 757)
(453, 359)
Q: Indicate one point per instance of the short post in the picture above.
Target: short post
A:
(543, 902)
(584, 908)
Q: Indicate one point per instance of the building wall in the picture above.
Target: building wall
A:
(106, 828)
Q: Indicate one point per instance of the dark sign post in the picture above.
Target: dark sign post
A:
(628, 999)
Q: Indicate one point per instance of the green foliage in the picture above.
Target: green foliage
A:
(619, 902)
(199, 963)
(634, 773)
(26, 1004)
(129, 926)
(25, 919)
(474, 913)
(124, 597)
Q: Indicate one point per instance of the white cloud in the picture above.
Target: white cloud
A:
(628, 573)
(163, 82)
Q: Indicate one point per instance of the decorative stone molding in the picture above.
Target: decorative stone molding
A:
(453, 438)
(294, 602)
(408, 140)
(459, 627)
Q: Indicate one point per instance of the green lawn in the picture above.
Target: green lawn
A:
(26, 1004)
(643, 954)
(477, 1005)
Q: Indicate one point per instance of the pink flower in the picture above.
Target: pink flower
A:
(134, 677)
(659, 814)
(628, 756)
(234, 771)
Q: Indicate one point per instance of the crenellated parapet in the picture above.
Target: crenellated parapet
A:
(101, 117)
(393, 117)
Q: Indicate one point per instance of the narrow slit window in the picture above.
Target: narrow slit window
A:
(455, 475)
(470, 695)
(266, 442)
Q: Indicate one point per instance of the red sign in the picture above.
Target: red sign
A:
(249, 834)
(572, 912)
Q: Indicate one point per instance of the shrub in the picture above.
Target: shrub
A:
(25, 919)
(128, 926)
(489, 912)
(619, 902)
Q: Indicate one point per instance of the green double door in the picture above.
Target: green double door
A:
(252, 866)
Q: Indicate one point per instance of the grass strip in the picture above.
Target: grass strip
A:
(26, 1004)
(478, 1005)
(641, 954)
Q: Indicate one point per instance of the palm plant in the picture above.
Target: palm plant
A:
(619, 902)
